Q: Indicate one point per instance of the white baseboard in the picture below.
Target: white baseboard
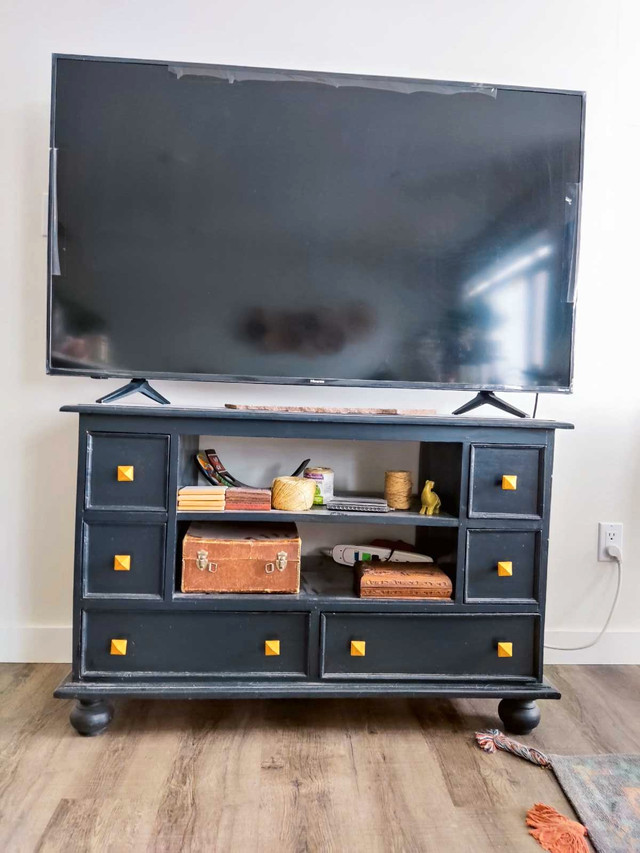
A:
(52, 644)
(614, 648)
(35, 643)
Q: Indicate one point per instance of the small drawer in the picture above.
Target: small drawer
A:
(505, 482)
(126, 471)
(502, 565)
(225, 644)
(123, 558)
(418, 646)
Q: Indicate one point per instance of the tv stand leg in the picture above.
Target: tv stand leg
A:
(90, 717)
(132, 387)
(519, 715)
(488, 398)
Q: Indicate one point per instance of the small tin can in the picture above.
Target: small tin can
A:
(323, 478)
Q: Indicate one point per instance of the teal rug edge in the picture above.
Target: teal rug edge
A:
(604, 791)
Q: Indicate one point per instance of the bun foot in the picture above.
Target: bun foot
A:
(91, 716)
(519, 716)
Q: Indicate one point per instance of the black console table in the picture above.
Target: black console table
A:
(135, 634)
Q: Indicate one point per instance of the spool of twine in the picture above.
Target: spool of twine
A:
(294, 494)
(397, 489)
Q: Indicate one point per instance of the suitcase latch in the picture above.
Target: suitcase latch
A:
(280, 563)
(202, 562)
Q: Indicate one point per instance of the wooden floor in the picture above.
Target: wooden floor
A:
(289, 775)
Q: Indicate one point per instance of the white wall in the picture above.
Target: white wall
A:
(579, 44)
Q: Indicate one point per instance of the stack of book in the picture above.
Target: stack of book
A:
(201, 498)
(248, 499)
(402, 580)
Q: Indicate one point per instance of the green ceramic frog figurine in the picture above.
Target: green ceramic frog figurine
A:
(430, 501)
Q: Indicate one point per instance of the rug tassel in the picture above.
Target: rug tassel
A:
(492, 739)
(555, 832)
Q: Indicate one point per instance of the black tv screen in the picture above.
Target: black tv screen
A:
(210, 222)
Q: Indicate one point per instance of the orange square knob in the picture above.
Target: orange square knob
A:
(505, 650)
(122, 563)
(505, 569)
(125, 473)
(118, 647)
(272, 648)
(358, 648)
(509, 482)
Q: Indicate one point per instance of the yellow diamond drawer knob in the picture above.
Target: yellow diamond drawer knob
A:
(505, 569)
(122, 563)
(118, 647)
(358, 648)
(505, 650)
(272, 648)
(125, 473)
(509, 482)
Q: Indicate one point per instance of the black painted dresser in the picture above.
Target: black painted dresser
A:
(135, 634)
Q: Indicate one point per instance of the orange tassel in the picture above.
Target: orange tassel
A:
(555, 832)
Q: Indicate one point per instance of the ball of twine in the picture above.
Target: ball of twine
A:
(398, 488)
(294, 494)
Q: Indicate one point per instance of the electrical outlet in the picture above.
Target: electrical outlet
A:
(609, 533)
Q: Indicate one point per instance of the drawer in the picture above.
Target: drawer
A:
(428, 646)
(502, 565)
(194, 643)
(505, 482)
(122, 558)
(126, 471)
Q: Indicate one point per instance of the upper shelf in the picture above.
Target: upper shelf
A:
(310, 417)
(321, 514)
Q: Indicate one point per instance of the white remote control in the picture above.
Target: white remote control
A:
(349, 555)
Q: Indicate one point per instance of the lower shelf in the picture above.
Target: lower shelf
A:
(69, 689)
(321, 580)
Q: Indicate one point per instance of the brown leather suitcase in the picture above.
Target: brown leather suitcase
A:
(240, 557)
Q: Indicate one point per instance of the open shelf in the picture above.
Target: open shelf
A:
(360, 471)
(321, 580)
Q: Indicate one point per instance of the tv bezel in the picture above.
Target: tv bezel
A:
(95, 373)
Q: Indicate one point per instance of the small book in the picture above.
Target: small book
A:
(201, 498)
(199, 502)
(258, 496)
(249, 493)
(248, 503)
(202, 490)
(248, 507)
(200, 508)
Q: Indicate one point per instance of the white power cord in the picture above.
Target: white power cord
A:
(614, 552)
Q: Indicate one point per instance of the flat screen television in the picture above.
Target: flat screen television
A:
(242, 224)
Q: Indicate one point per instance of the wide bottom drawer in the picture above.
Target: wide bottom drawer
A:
(371, 645)
(194, 643)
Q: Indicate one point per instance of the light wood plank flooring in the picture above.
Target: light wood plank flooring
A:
(290, 775)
